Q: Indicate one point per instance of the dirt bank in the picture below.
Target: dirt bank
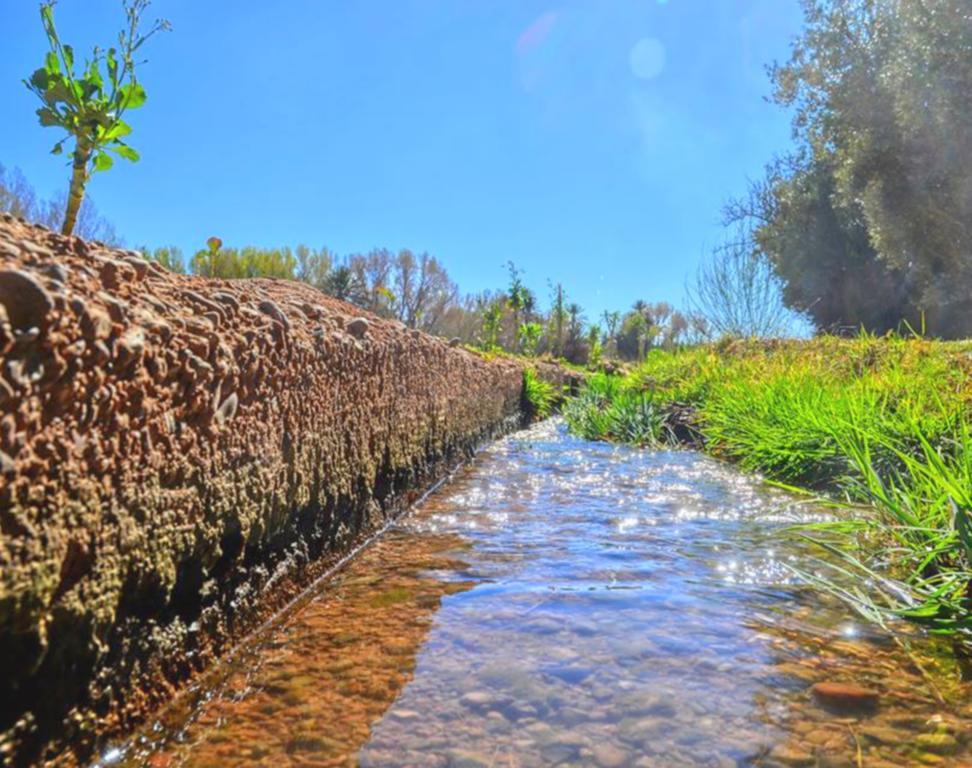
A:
(179, 456)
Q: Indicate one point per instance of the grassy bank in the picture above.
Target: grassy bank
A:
(881, 425)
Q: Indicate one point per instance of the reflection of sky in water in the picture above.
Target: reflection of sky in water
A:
(608, 574)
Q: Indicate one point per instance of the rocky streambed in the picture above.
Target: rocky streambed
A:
(180, 456)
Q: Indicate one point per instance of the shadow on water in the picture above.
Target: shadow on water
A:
(569, 603)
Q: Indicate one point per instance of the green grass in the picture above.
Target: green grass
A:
(881, 424)
(606, 410)
(539, 396)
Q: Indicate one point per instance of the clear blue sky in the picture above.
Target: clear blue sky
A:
(590, 141)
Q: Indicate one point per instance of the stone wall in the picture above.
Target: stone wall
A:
(178, 456)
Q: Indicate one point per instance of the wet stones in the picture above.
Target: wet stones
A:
(480, 700)
(792, 756)
(26, 302)
(609, 756)
(937, 743)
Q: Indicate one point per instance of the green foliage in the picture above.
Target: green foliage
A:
(247, 262)
(519, 299)
(820, 246)
(529, 336)
(925, 499)
(539, 396)
(868, 222)
(89, 103)
(169, 257)
(313, 267)
(492, 325)
(342, 283)
(594, 347)
(608, 410)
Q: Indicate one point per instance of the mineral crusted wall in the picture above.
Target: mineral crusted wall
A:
(178, 456)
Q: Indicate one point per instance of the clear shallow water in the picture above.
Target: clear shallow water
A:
(560, 602)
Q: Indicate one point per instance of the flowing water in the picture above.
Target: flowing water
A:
(560, 602)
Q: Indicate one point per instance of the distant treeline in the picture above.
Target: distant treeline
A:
(416, 289)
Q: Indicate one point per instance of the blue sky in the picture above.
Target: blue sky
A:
(590, 141)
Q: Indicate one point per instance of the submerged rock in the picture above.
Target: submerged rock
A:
(844, 696)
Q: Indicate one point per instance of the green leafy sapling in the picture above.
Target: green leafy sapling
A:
(89, 103)
(529, 335)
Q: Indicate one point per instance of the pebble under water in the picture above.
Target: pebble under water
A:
(561, 602)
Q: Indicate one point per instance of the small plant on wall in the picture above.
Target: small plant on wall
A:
(89, 102)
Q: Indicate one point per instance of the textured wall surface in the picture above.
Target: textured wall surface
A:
(178, 456)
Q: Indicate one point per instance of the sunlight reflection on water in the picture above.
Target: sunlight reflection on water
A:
(561, 602)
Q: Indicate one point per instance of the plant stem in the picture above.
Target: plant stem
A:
(79, 178)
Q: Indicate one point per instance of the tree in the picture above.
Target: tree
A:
(529, 337)
(242, 263)
(313, 266)
(558, 318)
(169, 257)
(342, 283)
(373, 273)
(423, 290)
(612, 322)
(492, 325)
(17, 196)
(518, 297)
(594, 346)
(575, 348)
(879, 91)
(821, 250)
(87, 107)
(738, 293)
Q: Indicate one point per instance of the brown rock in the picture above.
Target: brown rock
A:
(138, 264)
(56, 272)
(358, 327)
(788, 755)
(7, 467)
(95, 323)
(25, 300)
(844, 696)
(227, 409)
(271, 309)
(114, 274)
